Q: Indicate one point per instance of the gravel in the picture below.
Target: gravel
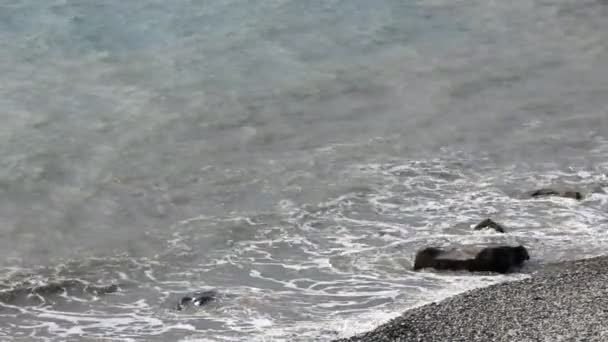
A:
(566, 301)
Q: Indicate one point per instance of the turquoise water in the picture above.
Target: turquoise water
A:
(291, 154)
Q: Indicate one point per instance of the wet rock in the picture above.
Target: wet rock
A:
(500, 259)
(437, 258)
(103, 290)
(545, 192)
(197, 299)
(489, 223)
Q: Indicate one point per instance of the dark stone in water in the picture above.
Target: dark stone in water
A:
(552, 192)
(500, 259)
(102, 290)
(198, 299)
(488, 223)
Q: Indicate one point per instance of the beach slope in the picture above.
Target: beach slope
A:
(565, 301)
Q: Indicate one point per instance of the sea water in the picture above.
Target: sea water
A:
(293, 155)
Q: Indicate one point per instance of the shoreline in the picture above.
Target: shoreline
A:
(564, 301)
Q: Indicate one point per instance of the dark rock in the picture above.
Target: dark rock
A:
(102, 290)
(573, 194)
(433, 257)
(488, 223)
(552, 192)
(198, 299)
(501, 259)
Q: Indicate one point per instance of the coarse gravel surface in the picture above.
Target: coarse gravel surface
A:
(565, 301)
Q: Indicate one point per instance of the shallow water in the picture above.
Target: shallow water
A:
(293, 155)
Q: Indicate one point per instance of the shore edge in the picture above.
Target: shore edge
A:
(564, 301)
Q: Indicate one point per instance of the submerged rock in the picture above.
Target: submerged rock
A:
(500, 259)
(545, 192)
(489, 223)
(198, 299)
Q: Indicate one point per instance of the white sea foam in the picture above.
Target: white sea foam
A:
(326, 271)
(291, 155)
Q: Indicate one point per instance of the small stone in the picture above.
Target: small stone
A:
(489, 223)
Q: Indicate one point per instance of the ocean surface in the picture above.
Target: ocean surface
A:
(293, 155)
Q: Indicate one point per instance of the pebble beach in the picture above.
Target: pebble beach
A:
(565, 301)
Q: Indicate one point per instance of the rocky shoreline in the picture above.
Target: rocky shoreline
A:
(565, 301)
